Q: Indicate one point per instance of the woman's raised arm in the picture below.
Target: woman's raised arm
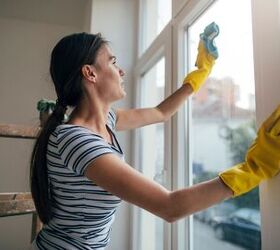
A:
(206, 56)
(135, 118)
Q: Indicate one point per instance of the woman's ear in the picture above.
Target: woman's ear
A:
(89, 73)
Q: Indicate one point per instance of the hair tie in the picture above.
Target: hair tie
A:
(45, 105)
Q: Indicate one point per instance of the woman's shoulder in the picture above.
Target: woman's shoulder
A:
(111, 120)
(72, 128)
(68, 128)
(71, 132)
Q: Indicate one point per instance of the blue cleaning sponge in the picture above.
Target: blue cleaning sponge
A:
(210, 33)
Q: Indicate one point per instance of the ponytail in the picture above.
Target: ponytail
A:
(39, 181)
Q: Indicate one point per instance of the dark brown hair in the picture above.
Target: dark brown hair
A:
(67, 59)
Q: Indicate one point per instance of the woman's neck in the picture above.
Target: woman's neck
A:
(91, 117)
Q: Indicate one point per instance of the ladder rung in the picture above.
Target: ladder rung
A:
(16, 204)
(19, 131)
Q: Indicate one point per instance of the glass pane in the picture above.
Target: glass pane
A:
(156, 14)
(223, 127)
(152, 148)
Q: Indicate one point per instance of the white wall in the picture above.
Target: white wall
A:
(29, 30)
(116, 21)
(266, 32)
(62, 12)
(24, 62)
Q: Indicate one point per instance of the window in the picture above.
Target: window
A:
(223, 125)
(152, 159)
(152, 148)
(155, 16)
(231, 84)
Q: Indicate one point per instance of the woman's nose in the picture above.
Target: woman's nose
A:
(122, 73)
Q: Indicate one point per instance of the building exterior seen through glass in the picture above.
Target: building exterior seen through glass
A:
(223, 127)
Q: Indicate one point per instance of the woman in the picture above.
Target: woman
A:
(78, 175)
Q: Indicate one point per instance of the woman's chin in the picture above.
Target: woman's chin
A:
(123, 94)
(123, 91)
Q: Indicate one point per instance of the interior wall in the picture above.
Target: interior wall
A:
(116, 20)
(24, 79)
(266, 32)
(63, 12)
(31, 30)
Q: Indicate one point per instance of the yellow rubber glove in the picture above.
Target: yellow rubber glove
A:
(262, 159)
(204, 63)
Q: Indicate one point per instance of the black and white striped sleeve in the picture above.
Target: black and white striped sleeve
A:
(78, 148)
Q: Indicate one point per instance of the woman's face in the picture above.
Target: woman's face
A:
(109, 77)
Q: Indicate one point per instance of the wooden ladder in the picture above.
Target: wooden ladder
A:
(12, 204)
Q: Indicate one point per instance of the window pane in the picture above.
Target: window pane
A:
(223, 127)
(156, 14)
(152, 148)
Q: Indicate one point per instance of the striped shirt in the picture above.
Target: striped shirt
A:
(82, 211)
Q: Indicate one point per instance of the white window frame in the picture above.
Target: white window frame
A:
(161, 47)
(142, 26)
(182, 231)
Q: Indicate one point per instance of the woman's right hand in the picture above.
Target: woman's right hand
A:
(262, 158)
